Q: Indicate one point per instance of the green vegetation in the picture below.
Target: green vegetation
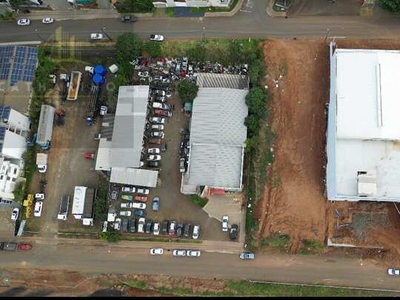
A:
(245, 288)
(187, 90)
(100, 205)
(310, 247)
(157, 239)
(169, 12)
(7, 16)
(390, 5)
(280, 241)
(128, 47)
(111, 235)
(135, 6)
(152, 49)
(214, 9)
(198, 200)
(282, 5)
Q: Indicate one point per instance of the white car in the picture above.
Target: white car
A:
(23, 22)
(89, 69)
(156, 228)
(15, 214)
(193, 253)
(140, 227)
(157, 127)
(156, 37)
(196, 232)
(224, 224)
(393, 272)
(154, 157)
(42, 168)
(128, 189)
(156, 251)
(125, 213)
(38, 209)
(179, 252)
(103, 110)
(105, 226)
(39, 196)
(157, 120)
(143, 191)
(157, 134)
(96, 36)
(139, 205)
(143, 74)
(126, 205)
(153, 151)
(48, 20)
(117, 224)
(159, 105)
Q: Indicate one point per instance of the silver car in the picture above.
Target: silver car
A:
(193, 253)
(179, 253)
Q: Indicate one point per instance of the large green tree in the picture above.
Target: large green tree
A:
(187, 90)
(391, 5)
(256, 102)
(128, 46)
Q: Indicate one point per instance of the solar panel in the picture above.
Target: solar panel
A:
(23, 66)
(2, 133)
(5, 112)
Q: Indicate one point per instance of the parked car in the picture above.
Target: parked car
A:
(182, 167)
(23, 22)
(179, 229)
(139, 213)
(143, 191)
(103, 110)
(164, 227)
(161, 99)
(153, 157)
(96, 36)
(156, 228)
(159, 105)
(233, 232)
(393, 272)
(105, 226)
(128, 189)
(140, 227)
(179, 252)
(128, 19)
(247, 255)
(132, 225)
(15, 214)
(143, 74)
(38, 209)
(48, 21)
(157, 134)
(89, 155)
(160, 92)
(186, 230)
(153, 164)
(117, 224)
(125, 213)
(162, 113)
(193, 253)
(157, 120)
(140, 198)
(114, 195)
(155, 205)
(155, 141)
(164, 147)
(158, 127)
(39, 196)
(172, 228)
(156, 37)
(148, 226)
(24, 246)
(196, 232)
(224, 223)
(156, 251)
(126, 205)
(153, 150)
(138, 205)
(124, 225)
(127, 197)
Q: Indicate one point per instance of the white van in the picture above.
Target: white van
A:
(38, 209)
(139, 205)
(140, 227)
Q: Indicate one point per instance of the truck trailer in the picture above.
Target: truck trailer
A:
(63, 211)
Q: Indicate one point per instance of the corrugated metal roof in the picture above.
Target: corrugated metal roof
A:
(45, 128)
(78, 203)
(217, 137)
(129, 126)
(131, 176)
(230, 81)
(103, 155)
(107, 126)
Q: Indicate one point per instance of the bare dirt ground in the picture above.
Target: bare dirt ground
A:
(298, 82)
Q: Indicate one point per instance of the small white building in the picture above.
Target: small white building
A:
(363, 134)
(9, 177)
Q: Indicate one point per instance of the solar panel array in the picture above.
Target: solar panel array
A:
(20, 61)
(5, 112)
(2, 134)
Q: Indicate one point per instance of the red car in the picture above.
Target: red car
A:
(24, 246)
(89, 155)
(162, 113)
(141, 198)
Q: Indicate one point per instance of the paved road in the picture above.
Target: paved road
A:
(134, 258)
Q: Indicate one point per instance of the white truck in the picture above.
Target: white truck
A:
(41, 162)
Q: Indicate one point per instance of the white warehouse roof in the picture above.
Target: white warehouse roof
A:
(131, 176)
(363, 126)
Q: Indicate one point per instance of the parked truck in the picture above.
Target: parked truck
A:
(63, 211)
(41, 162)
(74, 84)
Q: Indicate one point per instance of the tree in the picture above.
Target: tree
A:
(128, 46)
(255, 101)
(252, 123)
(152, 48)
(111, 235)
(187, 90)
(16, 3)
(391, 5)
(255, 70)
(235, 52)
(197, 52)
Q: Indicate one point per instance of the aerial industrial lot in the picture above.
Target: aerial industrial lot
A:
(199, 163)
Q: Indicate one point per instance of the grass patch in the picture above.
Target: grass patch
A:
(310, 247)
(280, 241)
(169, 12)
(198, 200)
(214, 9)
(136, 284)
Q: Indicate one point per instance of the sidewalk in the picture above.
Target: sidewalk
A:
(83, 14)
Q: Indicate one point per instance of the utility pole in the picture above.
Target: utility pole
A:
(104, 31)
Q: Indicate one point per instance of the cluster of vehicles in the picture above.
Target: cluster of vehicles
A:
(184, 151)
(177, 252)
(26, 22)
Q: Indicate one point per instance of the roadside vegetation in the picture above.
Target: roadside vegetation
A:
(215, 9)
(390, 5)
(276, 240)
(135, 6)
(198, 200)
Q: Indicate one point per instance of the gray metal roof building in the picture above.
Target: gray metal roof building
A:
(129, 126)
(217, 138)
(45, 128)
(230, 81)
(137, 177)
